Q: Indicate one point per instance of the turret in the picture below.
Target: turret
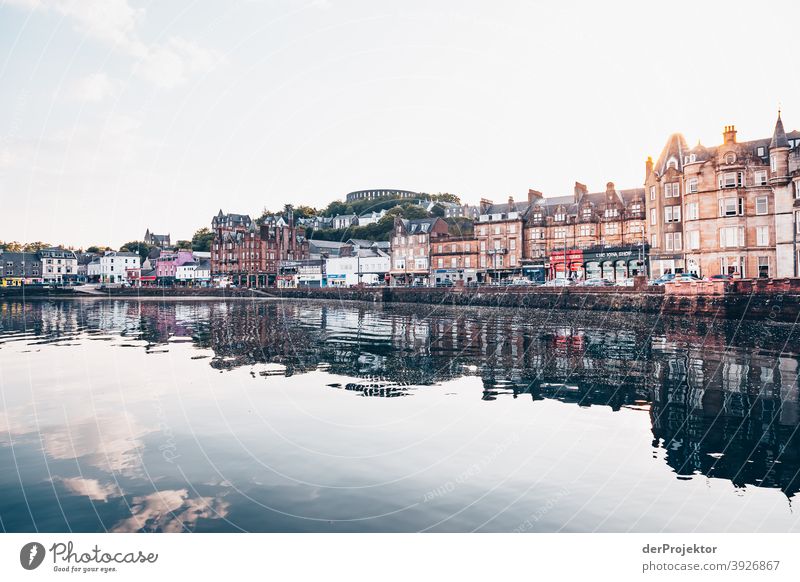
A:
(779, 155)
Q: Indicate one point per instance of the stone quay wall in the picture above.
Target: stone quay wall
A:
(776, 302)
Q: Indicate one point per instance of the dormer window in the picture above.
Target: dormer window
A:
(611, 212)
(560, 217)
(761, 152)
(587, 212)
(672, 163)
(730, 158)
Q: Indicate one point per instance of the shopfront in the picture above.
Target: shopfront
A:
(567, 263)
(615, 263)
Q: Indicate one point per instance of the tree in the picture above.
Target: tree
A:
(438, 210)
(35, 246)
(183, 244)
(446, 197)
(201, 240)
(304, 211)
(93, 249)
(136, 246)
(336, 207)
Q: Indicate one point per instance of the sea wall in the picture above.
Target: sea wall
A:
(779, 303)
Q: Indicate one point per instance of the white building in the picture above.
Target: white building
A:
(344, 221)
(366, 266)
(114, 266)
(371, 217)
(58, 266)
(196, 272)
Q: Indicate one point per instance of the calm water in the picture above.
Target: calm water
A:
(324, 416)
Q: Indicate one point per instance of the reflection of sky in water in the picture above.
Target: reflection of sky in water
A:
(205, 416)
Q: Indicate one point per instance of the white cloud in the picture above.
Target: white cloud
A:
(91, 488)
(171, 64)
(115, 22)
(94, 88)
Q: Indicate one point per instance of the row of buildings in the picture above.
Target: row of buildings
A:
(729, 209)
(50, 266)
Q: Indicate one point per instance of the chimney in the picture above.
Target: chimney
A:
(484, 205)
(580, 191)
(510, 202)
(533, 195)
(610, 187)
(729, 135)
(648, 167)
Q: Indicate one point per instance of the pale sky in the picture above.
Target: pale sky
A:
(120, 115)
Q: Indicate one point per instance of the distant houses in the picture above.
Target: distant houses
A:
(50, 266)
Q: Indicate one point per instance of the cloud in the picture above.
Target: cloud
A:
(170, 64)
(94, 88)
(91, 488)
(115, 22)
(171, 511)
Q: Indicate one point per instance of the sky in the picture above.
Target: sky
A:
(119, 115)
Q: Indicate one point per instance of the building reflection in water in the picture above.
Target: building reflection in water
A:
(722, 399)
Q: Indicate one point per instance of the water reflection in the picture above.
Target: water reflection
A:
(722, 399)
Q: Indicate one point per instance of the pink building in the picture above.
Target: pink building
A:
(167, 265)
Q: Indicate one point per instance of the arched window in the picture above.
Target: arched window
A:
(672, 163)
(730, 158)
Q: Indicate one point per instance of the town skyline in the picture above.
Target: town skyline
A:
(141, 118)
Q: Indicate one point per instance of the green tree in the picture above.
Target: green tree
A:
(183, 244)
(93, 249)
(35, 246)
(137, 246)
(201, 240)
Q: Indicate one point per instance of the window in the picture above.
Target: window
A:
(454, 262)
(441, 263)
(773, 163)
(692, 211)
(693, 240)
(763, 266)
(760, 178)
(635, 208)
(611, 212)
(761, 151)
(691, 186)
(730, 158)
(466, 262)
(731, 206)
(512, 244)
(762, 236)
(762, 206)
(653, 216)
(612, 228)
(652, 192)
(672, 190)
(497, 229)
(439, 248)
(587, 230)
(560, 233)
(537, 234)
(497, 245)
(587, 212)
(560, 217)
(483, 245)
(730, 180)
(483, 231)
(513, 260)
(672, 214)
(731, 236)
(653, 240)
(483, 261)
(672, 241)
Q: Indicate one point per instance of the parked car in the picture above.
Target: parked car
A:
(522, 282)
(596, 283)
(685, 278)
(627, 282)
(663, 279)
(720, 277)
(560, 282)
(445, 283)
